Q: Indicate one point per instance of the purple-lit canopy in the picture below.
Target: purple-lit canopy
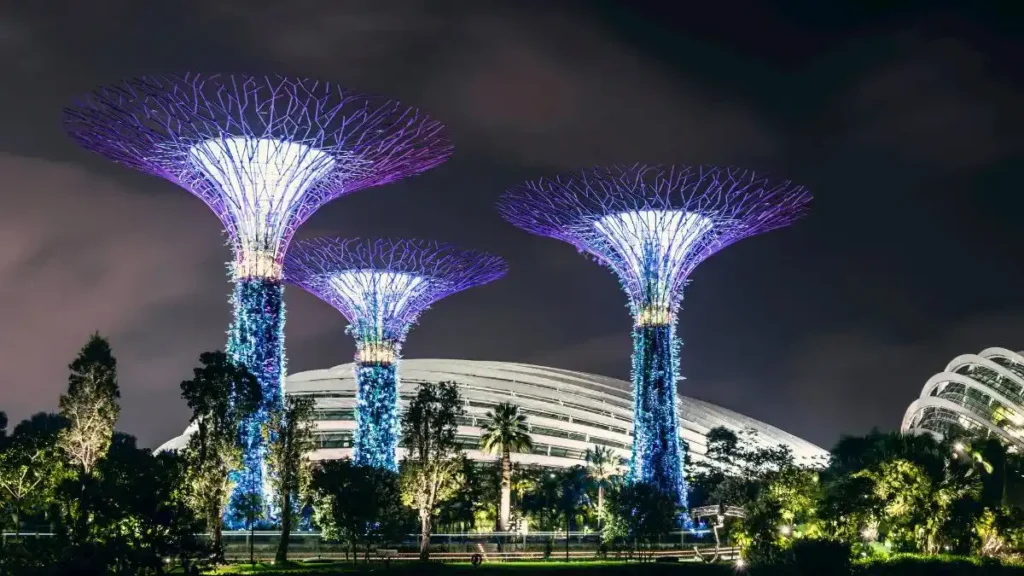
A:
(381, 286)
(263, 152)
(653, 225)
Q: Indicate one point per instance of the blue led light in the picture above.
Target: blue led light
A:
(657, 455)
(256, 341)
(377, 428)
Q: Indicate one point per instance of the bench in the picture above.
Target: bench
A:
(385, 553)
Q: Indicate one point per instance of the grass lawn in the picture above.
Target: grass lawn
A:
(456, 569)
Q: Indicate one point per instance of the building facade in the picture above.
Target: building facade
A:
(568, 412)
(977, 395)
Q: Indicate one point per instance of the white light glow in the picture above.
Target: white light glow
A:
(654, 249)
(375, 352)
(262, 181)
(377, 298)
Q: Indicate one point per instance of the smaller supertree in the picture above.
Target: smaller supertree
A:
(381, 287)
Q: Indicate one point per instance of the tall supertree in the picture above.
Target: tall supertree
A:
(381, 287)
(652, 225)
(263, 153)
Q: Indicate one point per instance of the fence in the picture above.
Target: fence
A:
(491, 546)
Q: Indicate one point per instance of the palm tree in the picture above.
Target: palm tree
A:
(505, 431)
(600, 466)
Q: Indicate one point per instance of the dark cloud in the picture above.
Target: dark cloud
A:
(80, 253)
(939, 103)
(543, 87)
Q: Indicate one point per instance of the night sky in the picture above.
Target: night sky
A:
(907, 125)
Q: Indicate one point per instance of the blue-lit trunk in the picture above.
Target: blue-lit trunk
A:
(256, 341)
(656, 458)
(377, 430)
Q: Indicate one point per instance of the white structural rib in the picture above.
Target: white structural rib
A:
(976, 394)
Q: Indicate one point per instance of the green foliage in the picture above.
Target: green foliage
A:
(601, 467)
(90, 404)
(806, 557)
(431, 471)
(558, 499)
(221, 395)
(914, 494)
(734, 468)
(31, 468)
(921, 565)
(138, 528)
(473, 506)
(290, 436)
(640, 513)
(541, 499)
(136, 517)
(505, 431)
(359, 505)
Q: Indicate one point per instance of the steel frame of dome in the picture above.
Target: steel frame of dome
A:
(977, 394)
(568, 412)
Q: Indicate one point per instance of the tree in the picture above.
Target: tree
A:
(290, 437)
(91, 409)
(90, 405)
(782, 508)
(601, 467)
(916, 493)
(140, 513)
(431, 469)
(472, 504)
(221, 395)
(640, 513)
(505, 431)
(360, 505)
(3, 425)
(572, 498)
(541, 500)
(29, 471)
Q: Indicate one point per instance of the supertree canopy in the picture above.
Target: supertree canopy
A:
(263, 153)
(652, 225)
(381, 287)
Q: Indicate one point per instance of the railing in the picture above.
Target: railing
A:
(492, 546)
(461, 547)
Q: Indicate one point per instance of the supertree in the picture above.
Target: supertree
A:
(263, 153)
(381, 287)
(652, 225)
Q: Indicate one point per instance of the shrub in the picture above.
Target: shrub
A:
(811, 557)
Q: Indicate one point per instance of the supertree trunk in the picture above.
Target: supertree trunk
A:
(256, 341)
(656, 455)
(376, 435)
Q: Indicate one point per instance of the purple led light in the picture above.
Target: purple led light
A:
(382, 286)
(262, 152)
(653, 225)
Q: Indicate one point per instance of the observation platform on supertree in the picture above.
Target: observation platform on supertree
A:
(264, 153)
(381, 287)
(652, 225)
